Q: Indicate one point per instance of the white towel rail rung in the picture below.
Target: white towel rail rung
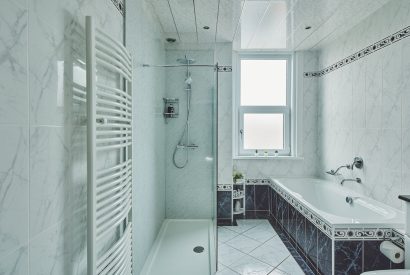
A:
(109, 66)
(113, 147)
(113, 133)
(116, 97)
(113, 61)
(103, 36)
(114, 250)
(107, 227)
(113, 126)
(111, 184)
(118, 196)
(113, 90)
(112, 176)
(109, 127)
(113, 141)
(114, 104)
(113, 188)
(104, 214)
(120, 166)
(109, 50)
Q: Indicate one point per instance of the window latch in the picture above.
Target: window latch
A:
(241, 132)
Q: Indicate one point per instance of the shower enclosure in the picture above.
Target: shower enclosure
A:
(191, 166)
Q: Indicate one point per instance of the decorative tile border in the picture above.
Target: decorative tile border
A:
(362, 233)
(257, 181)
(387, 41)
(120, 5)
(225, 69)
(224, 187)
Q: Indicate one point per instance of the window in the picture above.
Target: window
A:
(263, 103)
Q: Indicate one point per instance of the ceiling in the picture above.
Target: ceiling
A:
(261, 24)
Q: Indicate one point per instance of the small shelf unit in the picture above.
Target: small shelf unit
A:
(238, 198)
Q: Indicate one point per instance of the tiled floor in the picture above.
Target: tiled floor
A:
(253, 248)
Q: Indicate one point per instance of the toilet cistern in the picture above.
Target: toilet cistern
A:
(406, 199)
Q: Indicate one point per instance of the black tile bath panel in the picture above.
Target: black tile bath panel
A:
(224, 207)
(250, 197)
(262, 197)
(324, 253)
(348, 257)
(373, 258)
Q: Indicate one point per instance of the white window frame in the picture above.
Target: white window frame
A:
(287, 110)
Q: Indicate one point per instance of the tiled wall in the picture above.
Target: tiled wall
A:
(42, 133)
(145, 41)
(364, 106)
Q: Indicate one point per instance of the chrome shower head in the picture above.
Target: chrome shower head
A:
(186, 61)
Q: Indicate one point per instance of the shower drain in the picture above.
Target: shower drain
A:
(199, 249)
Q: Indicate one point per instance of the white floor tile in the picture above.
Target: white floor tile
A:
(228, 255)
(276, 242)
(261, 233)
(243, 243)
(225, 235)
(270, 255)
(290, 266)
(250, 266)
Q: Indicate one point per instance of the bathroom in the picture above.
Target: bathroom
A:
(228, 137)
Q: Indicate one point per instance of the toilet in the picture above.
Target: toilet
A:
(406, 271)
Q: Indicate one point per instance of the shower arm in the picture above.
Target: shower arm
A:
(335, 173)
(357, 162)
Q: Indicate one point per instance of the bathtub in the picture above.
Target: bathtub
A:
(328, 200)
(334, 237)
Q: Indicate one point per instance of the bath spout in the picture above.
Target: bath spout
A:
(358, 180)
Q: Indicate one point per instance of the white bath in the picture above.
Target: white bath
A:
(328, 200)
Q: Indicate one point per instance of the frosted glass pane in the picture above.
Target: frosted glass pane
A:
(263, 82)
(263, 131)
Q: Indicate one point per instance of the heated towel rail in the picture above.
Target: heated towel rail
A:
(109, 128)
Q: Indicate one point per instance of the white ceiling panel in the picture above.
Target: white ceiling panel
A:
(262, 24)
(184, 15)
(206, 15)
(164, 15)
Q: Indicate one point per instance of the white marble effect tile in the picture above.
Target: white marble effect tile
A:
(13, 188)
(243, 243)
(270, 255)
(15, 263)
(227, 255)
(379, 104)
(261, 233)
(13, 63)
(49, 184)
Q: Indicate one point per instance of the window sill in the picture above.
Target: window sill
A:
(267, 158)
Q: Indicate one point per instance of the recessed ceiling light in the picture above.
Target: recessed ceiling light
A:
(308, 27)
(206, 27)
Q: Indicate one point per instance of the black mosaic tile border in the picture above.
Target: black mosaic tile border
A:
(224, 69)
(387, 41)
(120, 5)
